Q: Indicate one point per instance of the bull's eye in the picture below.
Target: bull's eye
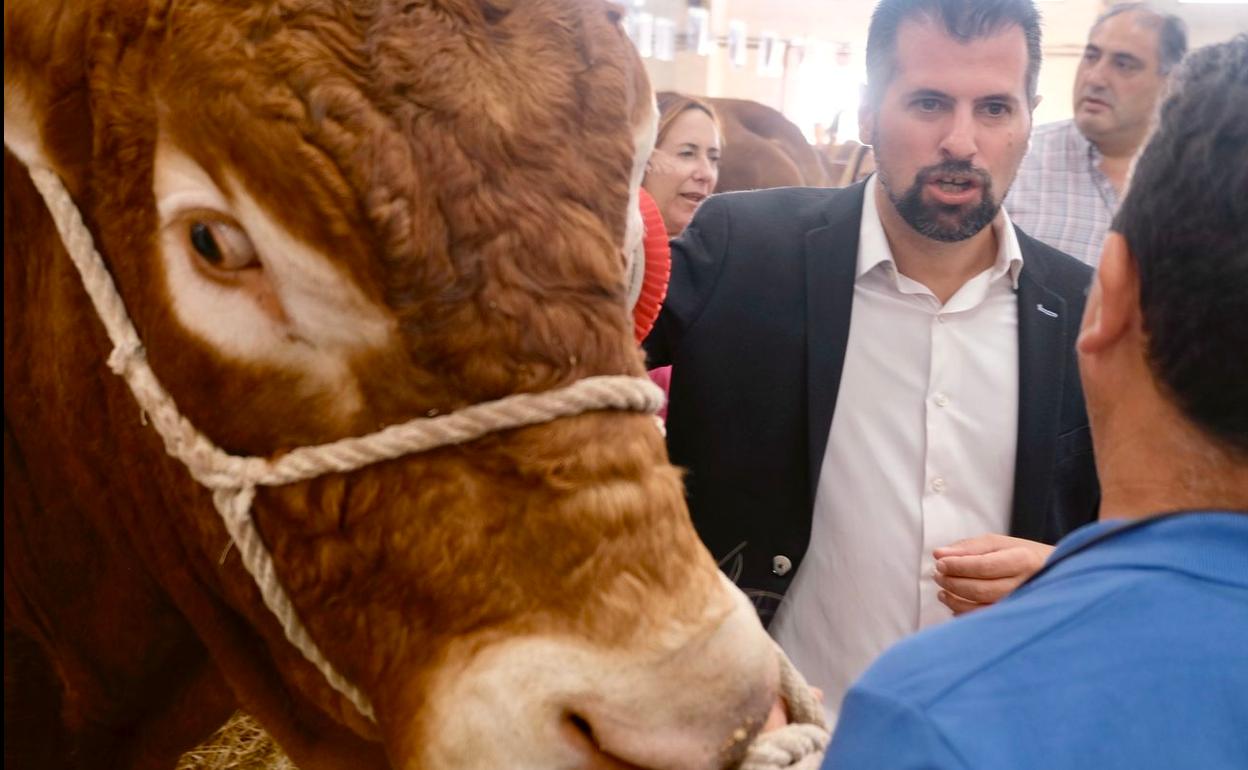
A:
(204, 243)
(221, 244)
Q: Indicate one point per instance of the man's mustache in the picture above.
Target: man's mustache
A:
(1099, 94)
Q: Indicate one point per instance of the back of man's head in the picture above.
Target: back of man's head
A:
(1171, 31)
(1185, 220)
(963, 20)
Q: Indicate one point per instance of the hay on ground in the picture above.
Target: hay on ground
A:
(241, 744)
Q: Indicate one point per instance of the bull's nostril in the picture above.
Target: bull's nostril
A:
(579, 733)
(581, 725)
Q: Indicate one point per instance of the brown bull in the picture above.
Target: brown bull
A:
(325, 218)
(847, 162)
(763, 148)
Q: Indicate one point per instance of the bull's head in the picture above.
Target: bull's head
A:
(326, 218)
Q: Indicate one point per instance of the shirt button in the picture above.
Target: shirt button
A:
(940, 319)
(938, 484)
(942, 399)
(780, 565)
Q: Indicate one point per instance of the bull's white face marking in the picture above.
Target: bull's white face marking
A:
(679, 698)
(635, 232)
(299, 312)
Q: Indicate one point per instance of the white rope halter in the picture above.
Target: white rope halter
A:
(800, 744)
(233, 479)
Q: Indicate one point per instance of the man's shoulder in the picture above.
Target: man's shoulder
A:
(1057, 270)
(1059, 130)
(1055, 148)
(985, 648)
(923, 668)
(1124, 613)
(781, 205)
(978, 684)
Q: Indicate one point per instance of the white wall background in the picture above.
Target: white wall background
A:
(823, 72)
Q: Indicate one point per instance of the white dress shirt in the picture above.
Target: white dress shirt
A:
(920, 454)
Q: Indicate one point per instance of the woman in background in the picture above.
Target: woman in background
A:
(682, 172)
(684, 167)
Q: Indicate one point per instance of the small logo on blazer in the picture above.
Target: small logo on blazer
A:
(1046, 311)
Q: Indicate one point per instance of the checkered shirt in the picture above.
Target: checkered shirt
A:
(1060, 196)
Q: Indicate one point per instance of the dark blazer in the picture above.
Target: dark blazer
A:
(755, 325)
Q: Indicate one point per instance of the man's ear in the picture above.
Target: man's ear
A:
(1113, 308)
(1035, 101)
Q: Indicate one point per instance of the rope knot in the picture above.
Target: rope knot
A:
(126, 355)
(797, 746)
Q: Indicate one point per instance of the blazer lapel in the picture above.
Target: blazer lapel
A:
(1041, 373)
(831, 264)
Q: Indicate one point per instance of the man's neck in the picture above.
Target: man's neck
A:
(1116, 169)
(1154, 461)
(1117, 153)
(940, 266)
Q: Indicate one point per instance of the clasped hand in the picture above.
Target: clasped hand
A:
(979, 571)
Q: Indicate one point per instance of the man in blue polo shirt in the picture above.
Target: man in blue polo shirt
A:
(1129, 649)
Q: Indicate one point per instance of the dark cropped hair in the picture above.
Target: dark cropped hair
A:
(964, 20)
(1171, 31)
(1185, 219)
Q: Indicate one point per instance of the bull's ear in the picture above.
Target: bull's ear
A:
(47, 117)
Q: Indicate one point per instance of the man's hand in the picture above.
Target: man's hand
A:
(978, 571)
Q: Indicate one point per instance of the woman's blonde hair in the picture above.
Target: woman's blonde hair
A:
(672, 105)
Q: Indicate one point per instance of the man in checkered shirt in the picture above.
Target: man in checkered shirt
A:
(1069, 185)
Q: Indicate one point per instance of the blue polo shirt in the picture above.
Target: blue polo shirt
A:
(1129, 650)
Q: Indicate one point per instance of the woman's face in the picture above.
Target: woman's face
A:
(684, 168)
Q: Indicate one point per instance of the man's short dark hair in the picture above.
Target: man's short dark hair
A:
(963, 20)
(1171, 31)
(1185, 219)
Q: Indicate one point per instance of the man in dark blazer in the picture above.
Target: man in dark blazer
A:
(767, 285)
(755, 379)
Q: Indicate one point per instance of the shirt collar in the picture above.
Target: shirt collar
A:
(1093, 155)
(1208, 543)
(873, 247)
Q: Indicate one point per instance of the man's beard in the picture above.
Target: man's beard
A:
(926, 217)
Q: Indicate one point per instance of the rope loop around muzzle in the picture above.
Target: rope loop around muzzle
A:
(233, 479)
(800, 744)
